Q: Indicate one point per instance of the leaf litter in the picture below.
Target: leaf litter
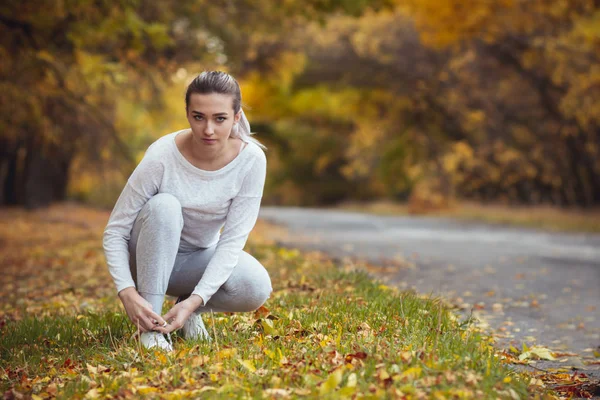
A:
(328, 330)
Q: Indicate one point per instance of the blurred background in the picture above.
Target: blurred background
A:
(420, 102)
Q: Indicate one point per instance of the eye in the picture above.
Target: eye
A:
(221, 119)
(197, 117)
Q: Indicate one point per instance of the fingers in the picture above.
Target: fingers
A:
(170, 314)
(166, 329)
(162, 329)
(143, 322)
(173, 319)
(140, 324)
(146, 323)
(155, 318)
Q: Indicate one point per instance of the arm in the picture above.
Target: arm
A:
(241, 218)
(117, 235)
(141, 186)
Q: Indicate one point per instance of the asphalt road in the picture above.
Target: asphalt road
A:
(530, 286)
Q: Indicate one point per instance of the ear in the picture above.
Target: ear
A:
(237, 116)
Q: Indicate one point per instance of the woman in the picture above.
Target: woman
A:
(163, 236)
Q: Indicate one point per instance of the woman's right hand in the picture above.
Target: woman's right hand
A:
(139, 310)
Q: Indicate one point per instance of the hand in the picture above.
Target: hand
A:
(179, 314)
(139, 310)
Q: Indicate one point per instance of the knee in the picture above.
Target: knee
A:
(165, 209)
(258, 291)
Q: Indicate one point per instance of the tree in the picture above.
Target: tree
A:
(65, 63)
(488, 100)
(549, 50)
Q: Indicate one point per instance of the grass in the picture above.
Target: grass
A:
(328, 331)
(548, 218)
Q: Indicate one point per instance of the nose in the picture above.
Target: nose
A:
(208, 128)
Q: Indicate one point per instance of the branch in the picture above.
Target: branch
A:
(91, 110)
(24, 27)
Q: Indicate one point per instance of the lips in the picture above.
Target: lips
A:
(209, 141)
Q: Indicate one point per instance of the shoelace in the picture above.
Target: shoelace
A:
(168, 339)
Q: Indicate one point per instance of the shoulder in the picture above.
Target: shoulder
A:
(162, 145)
(157, 158)
(256, 169)
(256, 153)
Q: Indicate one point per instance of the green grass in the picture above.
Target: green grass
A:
(325, 333)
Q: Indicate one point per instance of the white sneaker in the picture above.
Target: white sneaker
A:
(155, 339)
(194, 328)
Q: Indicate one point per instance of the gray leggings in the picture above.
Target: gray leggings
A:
(159, 267)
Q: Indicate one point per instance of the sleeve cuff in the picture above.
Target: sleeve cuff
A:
(203, 295)
(124, 285)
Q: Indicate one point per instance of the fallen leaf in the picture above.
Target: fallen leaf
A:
(261, 312)
(248, 364)
(352, 380)
(361, 355)
(275, 392)
(227, 353)
(333, 380)
(537, 352)
(146, 389)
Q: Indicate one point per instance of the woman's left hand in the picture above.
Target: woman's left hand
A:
(179, 313)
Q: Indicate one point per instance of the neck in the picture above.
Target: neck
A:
(202, 153)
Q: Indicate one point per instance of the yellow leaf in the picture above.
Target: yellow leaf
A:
(382, 374)
(227, 353)
(91, 369)
(536, 382)
(351, 380)
(412, 373)
(181, 353)
(406, 356)
(346, 391)
(200, 360)
(267, 325)
(248, 364)
(338, 338)
(160, 356)
(146, 389)
(92, 394)
(282, 359)
(270, 353)
(537, 353)
(333, 380)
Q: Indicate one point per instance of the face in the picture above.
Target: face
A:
(211, 119)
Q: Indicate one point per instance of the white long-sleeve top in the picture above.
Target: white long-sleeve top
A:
(227, 198)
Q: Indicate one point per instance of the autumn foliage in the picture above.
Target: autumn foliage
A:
(417, 100)
(429, 100)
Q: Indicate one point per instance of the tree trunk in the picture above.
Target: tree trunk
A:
(34, 176)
